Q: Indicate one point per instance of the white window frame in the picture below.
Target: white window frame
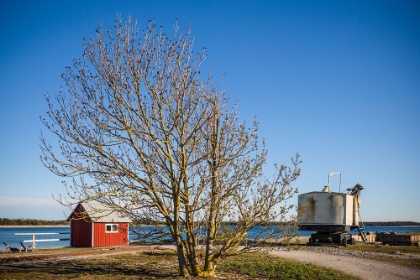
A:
(114, 228)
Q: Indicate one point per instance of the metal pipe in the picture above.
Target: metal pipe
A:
(329, 175)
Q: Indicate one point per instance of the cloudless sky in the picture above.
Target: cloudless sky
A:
(336, 81)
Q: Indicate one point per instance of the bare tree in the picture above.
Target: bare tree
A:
(139, 130)
(238, 191)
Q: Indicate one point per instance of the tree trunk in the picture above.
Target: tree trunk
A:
(181, 258)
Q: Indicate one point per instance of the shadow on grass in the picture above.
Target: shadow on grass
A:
(125, 266)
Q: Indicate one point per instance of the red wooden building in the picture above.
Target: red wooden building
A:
(93, 224)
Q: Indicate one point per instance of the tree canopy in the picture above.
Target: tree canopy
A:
(142, 130)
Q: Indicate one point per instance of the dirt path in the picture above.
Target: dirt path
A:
(364, 268)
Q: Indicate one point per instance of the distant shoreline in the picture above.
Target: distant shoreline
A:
(63, 226)
(32, 226)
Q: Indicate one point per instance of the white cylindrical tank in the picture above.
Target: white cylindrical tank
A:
(328, 211)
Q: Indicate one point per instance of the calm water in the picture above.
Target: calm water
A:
(8, 235)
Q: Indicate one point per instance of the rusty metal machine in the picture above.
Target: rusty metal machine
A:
(331, 214)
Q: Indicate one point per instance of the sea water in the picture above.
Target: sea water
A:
(8, 234)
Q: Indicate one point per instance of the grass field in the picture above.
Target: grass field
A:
(163, 265)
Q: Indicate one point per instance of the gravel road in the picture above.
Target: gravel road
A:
(352, 263)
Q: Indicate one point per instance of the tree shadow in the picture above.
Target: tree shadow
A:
(94, 267)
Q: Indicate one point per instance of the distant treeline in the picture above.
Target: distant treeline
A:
(31, 222)
(36, 222)
(392, 224)
(225, 223)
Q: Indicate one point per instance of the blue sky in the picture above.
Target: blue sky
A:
(336, 81)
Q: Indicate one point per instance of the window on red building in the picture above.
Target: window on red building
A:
(111, 228)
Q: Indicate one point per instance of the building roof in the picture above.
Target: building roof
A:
(101, 213)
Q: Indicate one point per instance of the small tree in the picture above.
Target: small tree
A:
(159, 143)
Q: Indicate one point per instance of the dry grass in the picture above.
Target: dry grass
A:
(163, 265)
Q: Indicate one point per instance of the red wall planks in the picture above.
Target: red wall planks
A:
(103, 238)
(81, 233)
